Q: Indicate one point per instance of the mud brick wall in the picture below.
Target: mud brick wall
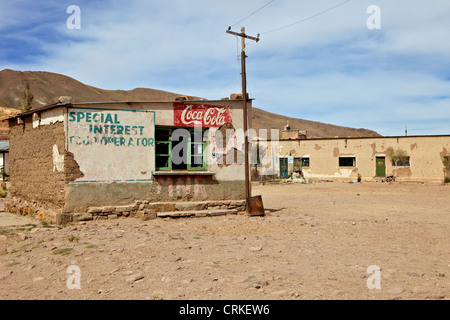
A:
(33, 174)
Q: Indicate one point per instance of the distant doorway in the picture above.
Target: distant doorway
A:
(283, 167)
(381, 166)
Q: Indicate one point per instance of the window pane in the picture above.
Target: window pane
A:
(180, 134)
(347, 162)
(197, 135)
(196, 149)
(196, 162)
(162, 148)
(180, 166)
(305, 162)
(162, 161)
(179, 153)
(162, 134)
(300, 162)
(401, 162)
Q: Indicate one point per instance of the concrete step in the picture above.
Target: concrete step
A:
(196, 213)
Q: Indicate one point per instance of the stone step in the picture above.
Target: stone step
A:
(196, 213)
(207, 205)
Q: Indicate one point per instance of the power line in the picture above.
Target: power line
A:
(253, 13)
(313, 16)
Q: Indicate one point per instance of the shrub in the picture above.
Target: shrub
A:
(399, 157)
(63, 251)
(446, 163)
(447, 179)
(4, 175)
(72, 238)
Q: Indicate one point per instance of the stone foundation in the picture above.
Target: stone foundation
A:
(152, 210)
(31, 209)
(143, 210)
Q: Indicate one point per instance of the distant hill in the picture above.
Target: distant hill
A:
(263, 119)
(47, 87)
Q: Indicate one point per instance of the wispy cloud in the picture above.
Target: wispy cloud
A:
(331, 68)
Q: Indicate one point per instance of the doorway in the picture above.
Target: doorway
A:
(283, 167)
(381, 166)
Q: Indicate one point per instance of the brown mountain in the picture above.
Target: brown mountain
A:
(47, 87)
(263, 119)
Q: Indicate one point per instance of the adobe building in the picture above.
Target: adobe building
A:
(290, 134)
(407, 158)
(80, 161)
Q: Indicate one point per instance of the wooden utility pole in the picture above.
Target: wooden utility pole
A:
(244, 101)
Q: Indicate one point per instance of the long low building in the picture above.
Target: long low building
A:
(407, 158)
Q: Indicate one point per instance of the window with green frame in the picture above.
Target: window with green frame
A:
(179, 148)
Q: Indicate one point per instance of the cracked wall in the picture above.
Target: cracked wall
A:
(37, 161)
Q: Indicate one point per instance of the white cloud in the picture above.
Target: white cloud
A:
(330, 68)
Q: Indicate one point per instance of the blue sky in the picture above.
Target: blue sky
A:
(331, 68)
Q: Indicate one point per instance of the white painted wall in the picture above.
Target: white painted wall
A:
(111, 145)
(48, 117)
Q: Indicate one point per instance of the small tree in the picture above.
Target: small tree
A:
(446, 163)
(257, 153)
(399, 157)
(27, 99)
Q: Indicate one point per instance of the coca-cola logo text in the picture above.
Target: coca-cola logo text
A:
(191, 115)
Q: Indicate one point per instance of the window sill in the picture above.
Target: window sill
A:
(183, 173)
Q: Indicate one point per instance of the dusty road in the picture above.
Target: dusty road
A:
(317, 242)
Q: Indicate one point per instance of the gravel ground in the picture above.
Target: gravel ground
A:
(317, 241)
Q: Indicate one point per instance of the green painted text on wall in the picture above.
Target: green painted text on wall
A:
(93, 117)
(105, 128)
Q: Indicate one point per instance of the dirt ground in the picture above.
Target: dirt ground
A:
(316, 242)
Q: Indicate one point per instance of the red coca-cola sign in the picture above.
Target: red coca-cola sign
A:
(200, 115)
